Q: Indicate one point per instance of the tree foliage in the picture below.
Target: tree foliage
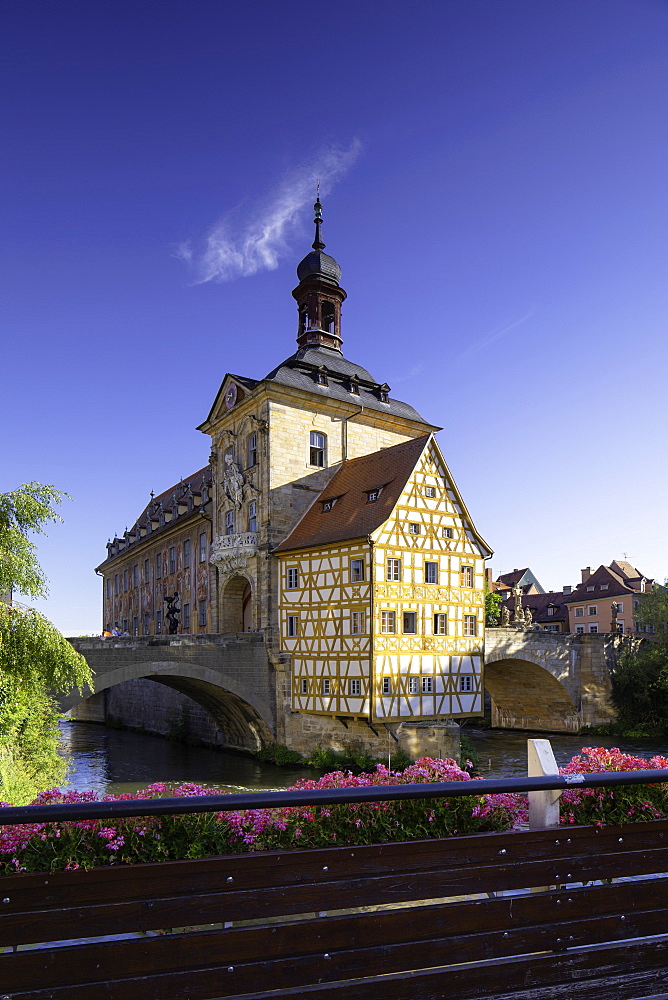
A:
(652, 611)
(21, 511)
(492, 608)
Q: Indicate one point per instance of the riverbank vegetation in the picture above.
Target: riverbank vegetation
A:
(35, 659)
(640, 677)
(91, 843)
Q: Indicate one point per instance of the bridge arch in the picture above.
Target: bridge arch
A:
(527, 696)
(232, 687)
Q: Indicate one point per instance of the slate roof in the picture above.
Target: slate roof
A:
(300, 371)
(352, 516)
(510, 579)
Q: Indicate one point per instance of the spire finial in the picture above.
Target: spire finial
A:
(317, 208)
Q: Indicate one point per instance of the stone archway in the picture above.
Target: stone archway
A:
(527, 696)
(236, 613)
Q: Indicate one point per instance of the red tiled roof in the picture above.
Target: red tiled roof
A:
(352, 516)
(603, 575)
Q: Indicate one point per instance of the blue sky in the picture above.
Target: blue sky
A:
(493, 177)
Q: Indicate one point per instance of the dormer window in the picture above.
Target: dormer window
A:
(590, 589)
(372, 495)
(321, 376)
(328, 504)
(384, 393)
(604, 586)
(353, 386)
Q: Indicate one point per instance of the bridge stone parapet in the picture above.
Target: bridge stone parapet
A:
(230, 675)
(553, 681)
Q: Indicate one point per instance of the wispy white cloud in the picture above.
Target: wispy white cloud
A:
(238, 247)
(484, 342)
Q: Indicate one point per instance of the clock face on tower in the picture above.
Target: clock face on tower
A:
(231, 396)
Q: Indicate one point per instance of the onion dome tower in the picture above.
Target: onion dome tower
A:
(319, 295)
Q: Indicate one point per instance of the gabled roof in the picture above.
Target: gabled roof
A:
(247, 383)
(539, 603)
(616, 586)
(351, 515)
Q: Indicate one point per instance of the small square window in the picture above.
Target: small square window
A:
(387, 685)
(292, 578)
(355, 687)
(372, 495)
(604, 586)
(470, 625)
(590, 589)
(466, 576)
(579, 612)
(427, 685)
(326, 685)
(394, 569)
(293, 626)
(356, 570)
(431, 572)
(410, 622)
(592, 609)
(304, 687)
(447, 532)
(413, 528)
(328, 504)
(440, 624)
(413, 685)
(579, 628)
(357, 623)
(593, 628)
(466, 683)
(387, 621)
(430, 491)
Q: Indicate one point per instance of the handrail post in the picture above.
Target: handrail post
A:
(543, 806)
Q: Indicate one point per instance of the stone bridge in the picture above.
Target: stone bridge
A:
(230, 676)
(555, 681)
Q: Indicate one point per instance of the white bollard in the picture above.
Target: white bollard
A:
(543, 806)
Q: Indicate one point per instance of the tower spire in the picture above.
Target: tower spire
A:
(317, 208)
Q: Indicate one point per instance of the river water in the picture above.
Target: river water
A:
(113, 760)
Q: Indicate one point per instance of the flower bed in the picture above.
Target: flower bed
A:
(91, 843)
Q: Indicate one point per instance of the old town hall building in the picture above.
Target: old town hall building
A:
(329, 521)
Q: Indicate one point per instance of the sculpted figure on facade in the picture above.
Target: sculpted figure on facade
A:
(518, 616)
(528, 617)
(233, 482)
(505, 617)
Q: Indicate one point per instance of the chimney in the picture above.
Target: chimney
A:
(488, 577)
(586, 573)
(567, 589)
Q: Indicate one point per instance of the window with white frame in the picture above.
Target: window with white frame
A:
(304, 688)
(317, 449)
(372, 495)
(293, 626)
(357, 623)
(326, 685)
(413, 685)
(387, 685)
(252, 449)
(394, 569)
(430, 491)
(427, 685)
(620, 607)
(579, 612)
(550, 611)
(440, 623)
(252, 515)
(550, 628)
(410, 622)
(292, 578)
(604, 586)
(466, 683)
(470, 625)
(354, 687)
(229, 522)
(202, 546)
(431, 572)
(388, 621)
(592, 610)
(579, 628)
(593, 628)
(447, 532)
(466, 576)
(356, 570)
(413, 528)
(591, 589)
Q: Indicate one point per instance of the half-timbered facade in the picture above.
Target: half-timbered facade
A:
(382, 592)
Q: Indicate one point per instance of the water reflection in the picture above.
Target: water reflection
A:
(113, 760)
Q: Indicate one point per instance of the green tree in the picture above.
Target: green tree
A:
(22, 511)
(652, 612)
(640, 677)
(35, 659)
(492, 608)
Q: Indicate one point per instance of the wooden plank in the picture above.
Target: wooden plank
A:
(284, 955)
(629, 972)
(18, 926)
